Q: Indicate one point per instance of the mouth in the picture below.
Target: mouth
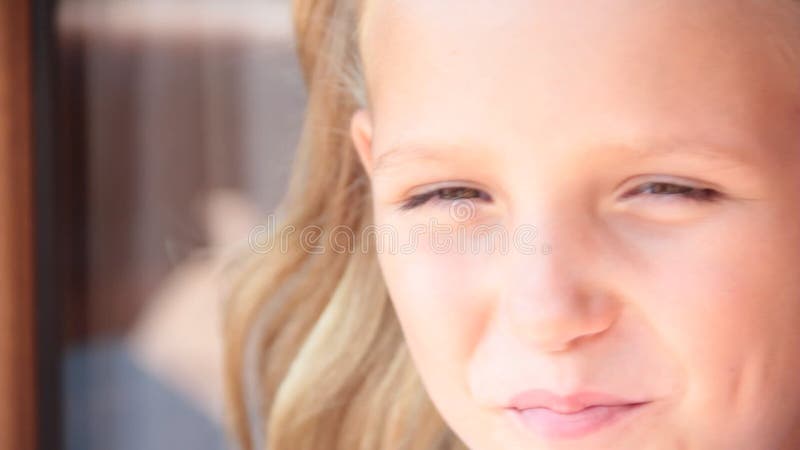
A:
(553, 417)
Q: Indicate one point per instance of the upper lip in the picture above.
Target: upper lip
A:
(568, 404)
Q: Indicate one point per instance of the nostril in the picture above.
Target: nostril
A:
(558, 331)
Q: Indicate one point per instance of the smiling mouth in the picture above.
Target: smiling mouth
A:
(551, 424)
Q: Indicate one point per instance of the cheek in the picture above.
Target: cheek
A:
(439, 299)
(726, 301)
(442, 303)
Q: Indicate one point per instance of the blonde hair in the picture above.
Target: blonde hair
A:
(331, 365)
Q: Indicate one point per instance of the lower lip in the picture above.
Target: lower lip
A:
(552, 425)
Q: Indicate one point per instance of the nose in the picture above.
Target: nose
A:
(553, 301)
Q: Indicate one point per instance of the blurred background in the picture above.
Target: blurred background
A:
(176, 124)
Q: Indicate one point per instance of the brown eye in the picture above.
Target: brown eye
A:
(446, 194)
(458, 193)
(671, 189)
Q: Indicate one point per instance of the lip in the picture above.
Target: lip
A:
(569, 417)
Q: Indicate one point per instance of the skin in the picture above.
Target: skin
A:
(552, 113)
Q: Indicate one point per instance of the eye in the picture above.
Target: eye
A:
(662, 189)
(445, 194)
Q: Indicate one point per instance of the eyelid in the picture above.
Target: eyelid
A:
(429, 192)
(431, 187)
(635, 181)
(682, 193)
(642, 202)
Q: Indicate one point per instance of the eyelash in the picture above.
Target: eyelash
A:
(438, 194)
(691, 193)
(704, 195)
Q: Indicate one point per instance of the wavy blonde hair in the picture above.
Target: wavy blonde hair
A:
(330, 364)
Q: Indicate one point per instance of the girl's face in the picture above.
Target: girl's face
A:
(596, 212)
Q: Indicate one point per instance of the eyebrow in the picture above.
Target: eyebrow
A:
(640, 149)
(417, 152)
(692, 148)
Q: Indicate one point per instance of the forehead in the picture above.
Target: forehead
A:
(541, 68)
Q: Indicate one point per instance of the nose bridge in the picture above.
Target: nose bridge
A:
(551, 299)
